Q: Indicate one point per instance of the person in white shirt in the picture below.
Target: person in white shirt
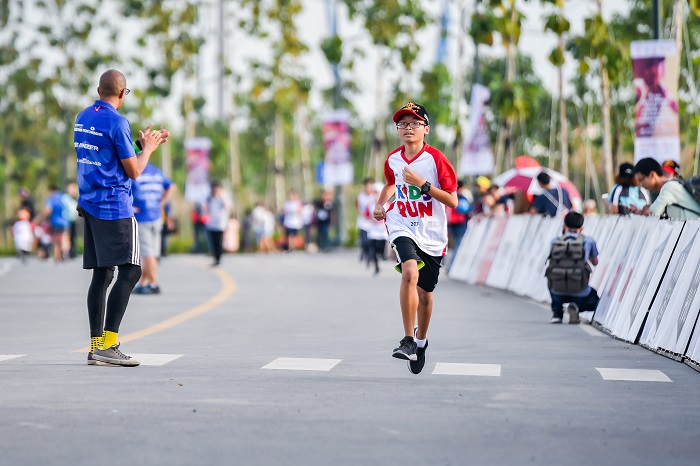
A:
(218, 210)
(423, 182)
(23, 234)
(293, 220)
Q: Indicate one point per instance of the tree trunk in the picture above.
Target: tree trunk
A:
(304, 153)
(279, 162)
(563, 124)
(236, 177)
(607, 133)
(379, 135)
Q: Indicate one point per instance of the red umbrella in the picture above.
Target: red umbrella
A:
(524, 178)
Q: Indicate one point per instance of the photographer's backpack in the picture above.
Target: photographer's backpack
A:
(568, 271)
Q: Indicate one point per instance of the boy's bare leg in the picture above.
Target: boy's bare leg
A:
(409, 295)
(425, 311)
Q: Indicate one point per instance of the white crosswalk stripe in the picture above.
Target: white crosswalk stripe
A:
(155, 359)
(302, 364)
(633, 375)
(7, 357)
(478, 370)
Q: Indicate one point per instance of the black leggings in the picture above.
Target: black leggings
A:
(127, 278)
(217, 244)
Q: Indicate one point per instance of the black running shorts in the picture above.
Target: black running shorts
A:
(428, 266)
(110, 243)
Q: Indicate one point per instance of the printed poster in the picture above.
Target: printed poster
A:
(656, 72)
(197, 183)
(477, 156)
(337, 169)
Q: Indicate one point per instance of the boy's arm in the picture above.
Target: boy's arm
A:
(449, 199)
(387, 191)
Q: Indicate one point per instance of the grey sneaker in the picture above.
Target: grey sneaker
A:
(112, 355)
(573, 313)
(94, 362)
(555, 320)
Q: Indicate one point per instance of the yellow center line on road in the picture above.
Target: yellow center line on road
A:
(228, 288)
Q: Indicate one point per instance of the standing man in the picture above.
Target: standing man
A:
(553, 202)
(424, 182)
(152, 191)
(107, 162)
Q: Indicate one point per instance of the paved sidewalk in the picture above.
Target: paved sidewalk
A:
(285, 359)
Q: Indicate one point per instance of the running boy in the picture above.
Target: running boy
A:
(423, 182)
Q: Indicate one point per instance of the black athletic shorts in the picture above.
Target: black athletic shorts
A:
(428, 266)
(110, 243)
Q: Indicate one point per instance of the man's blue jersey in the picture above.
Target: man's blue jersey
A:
(102, 137)
(148, 191)
(55, 203)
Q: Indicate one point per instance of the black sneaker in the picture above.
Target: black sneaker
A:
(417, 366)
(406, 349)
(153, 289)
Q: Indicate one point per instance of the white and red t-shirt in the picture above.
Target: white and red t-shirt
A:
(412, 214)
(365, 208)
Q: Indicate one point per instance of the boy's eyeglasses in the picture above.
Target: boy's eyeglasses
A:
(412, 124)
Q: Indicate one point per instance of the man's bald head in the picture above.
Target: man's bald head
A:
(111, 84)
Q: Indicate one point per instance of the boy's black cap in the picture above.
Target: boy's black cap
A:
(626, 169)
(411, 108)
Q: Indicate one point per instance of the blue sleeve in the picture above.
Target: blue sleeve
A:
(463, 206)
(591, 247)
(122, 139)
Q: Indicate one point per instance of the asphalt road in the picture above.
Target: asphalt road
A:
(285, 360)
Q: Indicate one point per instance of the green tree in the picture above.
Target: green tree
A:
(595, 48)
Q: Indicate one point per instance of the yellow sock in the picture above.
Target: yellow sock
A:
(95, 342)
(110, 339)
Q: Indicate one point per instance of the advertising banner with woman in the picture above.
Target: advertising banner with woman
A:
(656, 67)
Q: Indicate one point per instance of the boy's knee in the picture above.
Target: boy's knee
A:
(425, 298)
(409, 271)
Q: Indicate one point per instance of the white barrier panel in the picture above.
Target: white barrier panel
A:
(529, 238)
(537, 284)
(610, 236)
(590, 224)
(676, 320)
(632, 233)
(471, 244)
(644, 277)
(507, 251)
(485, 257)
(693, 353)
(660, 307)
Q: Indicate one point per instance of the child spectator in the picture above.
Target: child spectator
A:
(23, 234)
